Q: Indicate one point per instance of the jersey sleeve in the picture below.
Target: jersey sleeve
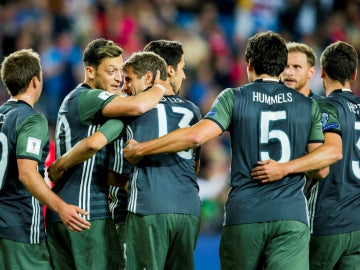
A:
(111, 129)
(222, 108)
(91, 102)
(329, 117)
(316, 134)
(32, 137)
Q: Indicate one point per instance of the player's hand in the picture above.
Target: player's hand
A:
(169, 89)
(130, 152)
(70, 216)
(54, 173)
(268, 171)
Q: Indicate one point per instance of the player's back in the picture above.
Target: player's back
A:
(339, 193)
(269, 121)
(166, 182)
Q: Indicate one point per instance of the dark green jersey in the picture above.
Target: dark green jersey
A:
(23, 135)
(118, 199)
(335, 201)
(85, 185)
(266, 120)
(164, 183)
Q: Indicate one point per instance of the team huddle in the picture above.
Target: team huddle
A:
(125, 192)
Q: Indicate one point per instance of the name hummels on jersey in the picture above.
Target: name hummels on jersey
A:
(279, 98)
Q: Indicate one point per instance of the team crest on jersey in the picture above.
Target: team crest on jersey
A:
(105, 95)
(33, 146)
(325, 122)
(2, 118)
(324, 119)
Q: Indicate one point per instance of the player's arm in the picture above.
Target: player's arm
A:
(86, 148)
(214, 124)
(138, 104)
(317, 159)
(30, 142)
(175, 141)
(35, 184)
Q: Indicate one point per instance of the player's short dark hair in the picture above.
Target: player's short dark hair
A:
(340, 61)
(18, 69)
(267, 53)
(99, 49)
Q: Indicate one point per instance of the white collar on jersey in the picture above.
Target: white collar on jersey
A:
(346, 90)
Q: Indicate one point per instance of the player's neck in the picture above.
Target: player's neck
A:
(305, 91)
(266, 77)
(335, 85)
(26, 97)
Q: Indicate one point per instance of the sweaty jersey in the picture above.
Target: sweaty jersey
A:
(84, 185)
(23, 135)
(266, 120)
(335, 201)
(165, 183)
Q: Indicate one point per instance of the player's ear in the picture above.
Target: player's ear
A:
(170, 70)
(89, 71)
(322, 75)
(354, 75)
(149, 77)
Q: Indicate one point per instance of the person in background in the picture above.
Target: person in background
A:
(85, 111)
(300, 68)
(164, 206)
(334, 203)
(266, 225)
(23, 143)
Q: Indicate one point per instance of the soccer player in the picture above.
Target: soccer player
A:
(335, 201)
(86, 111)
(300, 69)
(265, 224)
(164, 206)
(23, 139)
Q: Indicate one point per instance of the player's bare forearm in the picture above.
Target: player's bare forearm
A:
(36, 185)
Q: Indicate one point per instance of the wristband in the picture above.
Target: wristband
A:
(161, 87)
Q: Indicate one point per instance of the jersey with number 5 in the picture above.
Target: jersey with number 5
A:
(266, 120)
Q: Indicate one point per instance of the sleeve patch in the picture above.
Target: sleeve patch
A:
(211, 113)
(33, 146)
(105, 95)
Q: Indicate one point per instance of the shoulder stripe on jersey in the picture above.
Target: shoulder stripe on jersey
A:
(35, 221)
(85, 182)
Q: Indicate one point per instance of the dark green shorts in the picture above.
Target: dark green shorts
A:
(341, 251)
(162, 241)
(97, 248)
(278, 245)
(19, 256)
(121, 232)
